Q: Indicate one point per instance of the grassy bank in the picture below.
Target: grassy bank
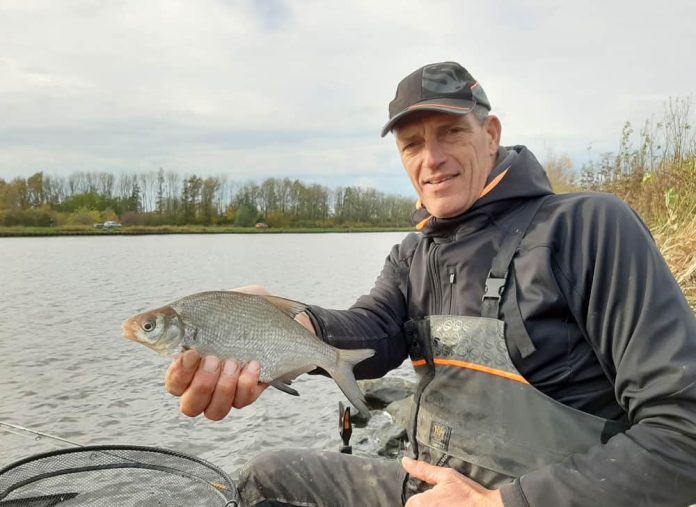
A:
(138, 230)
(678, 246)
(666, 200)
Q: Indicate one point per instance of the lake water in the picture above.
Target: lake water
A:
(67, 371)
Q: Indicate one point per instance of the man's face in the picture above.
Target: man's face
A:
(448, 158)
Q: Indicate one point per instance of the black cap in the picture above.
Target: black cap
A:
(446, 87)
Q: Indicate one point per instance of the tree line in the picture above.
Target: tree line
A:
(166, 198)
(656, 175)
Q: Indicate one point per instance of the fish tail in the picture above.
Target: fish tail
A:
(345, 379)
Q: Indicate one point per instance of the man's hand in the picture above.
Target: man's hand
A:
(212, 387)
(449, 488)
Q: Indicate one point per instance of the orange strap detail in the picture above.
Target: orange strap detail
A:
(420, 225)
(447, 106)
(475, 367)
(493, 183)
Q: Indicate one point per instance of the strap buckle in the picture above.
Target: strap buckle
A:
(494, 287)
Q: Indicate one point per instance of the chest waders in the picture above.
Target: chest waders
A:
(474, 411)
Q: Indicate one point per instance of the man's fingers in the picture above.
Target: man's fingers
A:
(420, 500)
(248, 387)
(208, 385)
(424, 471)
(449, 487)
(181, 372)
(253, 289)
(304, 319)
(200, 391)
(223, 397)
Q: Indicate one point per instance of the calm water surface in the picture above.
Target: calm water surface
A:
(66, 370)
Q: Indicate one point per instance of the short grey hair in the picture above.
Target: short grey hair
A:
(480, 112)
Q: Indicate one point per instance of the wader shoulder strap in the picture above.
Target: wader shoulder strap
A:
(497, 276)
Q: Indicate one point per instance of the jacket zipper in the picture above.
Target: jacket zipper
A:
(452, 279)
(434, 273)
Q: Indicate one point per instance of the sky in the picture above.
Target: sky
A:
(252, 89)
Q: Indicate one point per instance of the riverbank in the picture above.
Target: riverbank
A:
(140, 230)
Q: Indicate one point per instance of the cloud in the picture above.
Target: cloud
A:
(282, 87)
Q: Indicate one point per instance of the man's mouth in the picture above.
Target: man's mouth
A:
(436, 180)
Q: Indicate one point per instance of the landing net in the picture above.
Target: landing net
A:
(128, 476)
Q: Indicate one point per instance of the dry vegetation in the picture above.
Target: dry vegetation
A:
(657, 178)
(678, 248)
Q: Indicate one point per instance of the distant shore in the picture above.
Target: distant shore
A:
(20, 231)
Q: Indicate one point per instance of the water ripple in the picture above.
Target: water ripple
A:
(67, 370)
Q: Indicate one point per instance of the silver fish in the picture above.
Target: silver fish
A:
(248, 327)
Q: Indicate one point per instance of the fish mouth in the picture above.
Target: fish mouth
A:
(130, 330)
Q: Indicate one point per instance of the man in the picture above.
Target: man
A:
(556, 352)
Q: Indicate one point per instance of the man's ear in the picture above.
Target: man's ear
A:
(493, 129)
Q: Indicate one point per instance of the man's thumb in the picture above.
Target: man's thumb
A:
(422, 470)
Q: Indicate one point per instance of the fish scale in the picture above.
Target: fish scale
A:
(268, 334)
(247, 327)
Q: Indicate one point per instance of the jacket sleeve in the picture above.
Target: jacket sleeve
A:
(639, 323)
(375, 320)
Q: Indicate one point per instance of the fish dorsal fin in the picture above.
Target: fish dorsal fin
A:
(287, 306)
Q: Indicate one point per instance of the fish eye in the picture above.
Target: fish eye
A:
(148, 325)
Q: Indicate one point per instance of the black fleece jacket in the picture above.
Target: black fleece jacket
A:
(613, 333)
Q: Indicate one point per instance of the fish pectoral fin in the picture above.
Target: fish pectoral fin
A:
(279, 384)
(287, 306)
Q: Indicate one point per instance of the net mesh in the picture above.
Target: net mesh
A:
(127, 476)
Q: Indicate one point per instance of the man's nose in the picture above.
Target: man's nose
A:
(434, 154)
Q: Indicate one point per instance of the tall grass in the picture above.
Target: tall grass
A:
(678, 246)
(666, 200)
(657, 178)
